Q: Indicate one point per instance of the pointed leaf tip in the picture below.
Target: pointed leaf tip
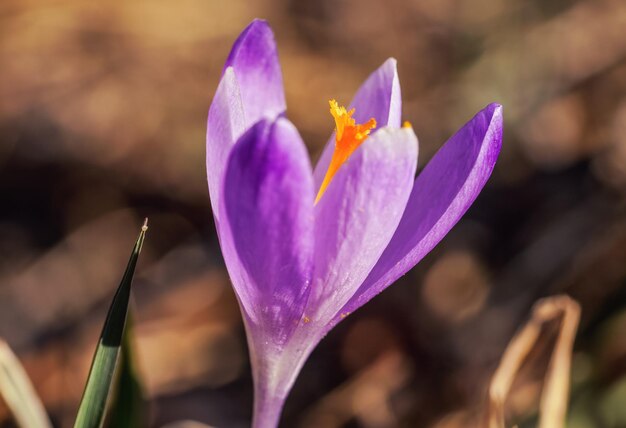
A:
(92, 410)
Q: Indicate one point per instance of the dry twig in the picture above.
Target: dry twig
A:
(553, 405)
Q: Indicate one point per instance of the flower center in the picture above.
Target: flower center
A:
(349, 136)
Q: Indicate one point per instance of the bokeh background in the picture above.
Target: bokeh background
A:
(103, 108)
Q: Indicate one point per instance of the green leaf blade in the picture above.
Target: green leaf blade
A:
(91, 413)
(126, 409)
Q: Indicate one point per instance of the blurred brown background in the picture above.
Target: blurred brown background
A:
(102, 119)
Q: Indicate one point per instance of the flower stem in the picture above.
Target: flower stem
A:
(267, 409)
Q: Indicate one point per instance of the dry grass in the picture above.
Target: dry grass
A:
(554, 397)
(18, 392)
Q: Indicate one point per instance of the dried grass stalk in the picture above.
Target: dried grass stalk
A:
(554, 397)
(18, 392)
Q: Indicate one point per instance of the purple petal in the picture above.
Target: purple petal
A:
(267, 227)
(441, 195)
(378, 97)
(224, 126)
(254, 58)
(357, 216)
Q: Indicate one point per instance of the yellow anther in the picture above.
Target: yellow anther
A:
(348, 137)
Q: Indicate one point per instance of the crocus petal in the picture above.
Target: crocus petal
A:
(441, 195)
(251, 87)
(224, 126)
(378, 97)
(254, 58)
(267, 216)
(358, 215)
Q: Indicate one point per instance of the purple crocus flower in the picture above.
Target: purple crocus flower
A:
(300, 264)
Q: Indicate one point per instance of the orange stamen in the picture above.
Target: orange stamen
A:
(349, 136)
